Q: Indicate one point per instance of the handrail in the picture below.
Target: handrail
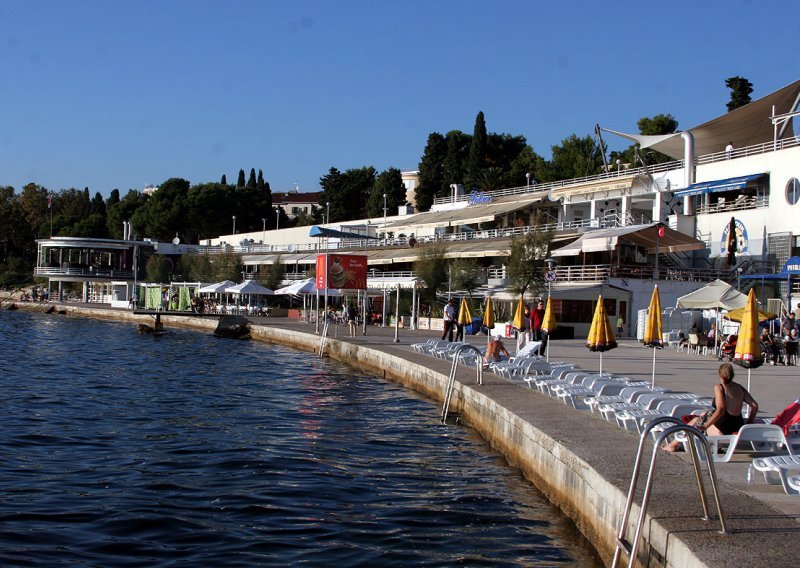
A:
(630, 547)
(448, 394)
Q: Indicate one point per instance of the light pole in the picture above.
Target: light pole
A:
(277, 218)
(264, 231)
(528, 178)
(328, 212)
(384, 211)
(234, 224)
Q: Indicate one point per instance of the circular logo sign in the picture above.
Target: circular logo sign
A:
(550, 276)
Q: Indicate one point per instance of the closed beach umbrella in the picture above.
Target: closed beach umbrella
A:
(464, 317)
(601, 336)
(519, 315)
(748, 346)
(652, 332)
(488, 318)
(733, 244)
(548, 324)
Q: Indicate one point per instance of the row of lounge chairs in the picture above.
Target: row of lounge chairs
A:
(631, 405)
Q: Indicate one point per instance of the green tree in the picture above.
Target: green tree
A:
(455, 161)
(431, 173)
(166, 213)
(526, 162)
(657, 125)
(576, 157)
(526, 260)
(465, 275)
(260, 182)
(158, 269)
(740, 92)
(389, 183)
(478, 151)
(274, 275)
(124, 210)
(431, 267)
(347, 193)
(197, 267)
(240, 183)
(251, 181)
(223, 180)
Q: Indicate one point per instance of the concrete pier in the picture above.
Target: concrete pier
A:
(580, 462)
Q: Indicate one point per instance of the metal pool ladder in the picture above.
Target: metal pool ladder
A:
(323, 338)
(448, 393)
(693, 435)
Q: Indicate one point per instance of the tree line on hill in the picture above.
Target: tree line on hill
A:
(482, 160)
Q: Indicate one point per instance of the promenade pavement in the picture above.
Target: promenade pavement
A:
(774, 387)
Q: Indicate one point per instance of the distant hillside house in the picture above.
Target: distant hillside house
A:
(411, 181)
(150, 189)
(294, 203)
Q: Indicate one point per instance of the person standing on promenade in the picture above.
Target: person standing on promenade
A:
(536, 320)
(620, 325)
(352, 317)
(449, 320)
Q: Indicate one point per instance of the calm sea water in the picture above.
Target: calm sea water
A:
(187, 450)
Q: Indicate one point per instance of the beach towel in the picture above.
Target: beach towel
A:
(788, 416)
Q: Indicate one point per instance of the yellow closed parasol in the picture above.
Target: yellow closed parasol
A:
(748, 345)
(548, 325)
(488, 318)
(653, 330)
(464, 317)
(601, 337)
(519, 316)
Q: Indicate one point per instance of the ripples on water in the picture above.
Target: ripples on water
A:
(128, 450)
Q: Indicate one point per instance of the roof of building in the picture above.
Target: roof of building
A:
(296, 197)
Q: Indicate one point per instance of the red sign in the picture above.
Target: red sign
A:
(342, 271)
(661, 231)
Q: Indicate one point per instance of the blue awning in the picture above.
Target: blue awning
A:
(729, 184)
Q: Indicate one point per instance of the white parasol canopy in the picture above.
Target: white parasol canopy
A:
(216, 288)
(305, 287)
(717, 295)
(250, 287)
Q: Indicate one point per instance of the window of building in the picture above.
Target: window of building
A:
(793, 191)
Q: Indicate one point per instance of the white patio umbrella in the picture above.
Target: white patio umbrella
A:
(305, 287)
(216, 288)
(249, 287)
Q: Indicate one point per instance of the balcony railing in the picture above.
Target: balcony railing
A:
(85, 271)
(739, 204)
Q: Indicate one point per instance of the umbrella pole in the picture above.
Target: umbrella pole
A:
(748, 380)
(653, 383)
(601, 362)
(547, 349)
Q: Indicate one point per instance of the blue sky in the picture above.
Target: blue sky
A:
(121, 94)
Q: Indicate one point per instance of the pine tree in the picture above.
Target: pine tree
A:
(477, 152)
(251, 181)
(260, 182)
(740, 92)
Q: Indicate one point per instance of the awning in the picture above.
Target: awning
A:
(745, 126)
(470, 214)
(728, 184)
(640, 235)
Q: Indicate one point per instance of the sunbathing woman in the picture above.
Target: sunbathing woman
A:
(726, 417)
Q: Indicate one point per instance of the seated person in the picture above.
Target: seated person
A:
(682, 339)
(770, 348)
(494, 349)
(726, 417)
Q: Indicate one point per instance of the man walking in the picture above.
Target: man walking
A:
(449, 320)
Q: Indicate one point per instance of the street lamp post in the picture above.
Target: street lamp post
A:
(384, 210)
(277, 218)
(234, 224)
(528, 178)
(328, 213)
(264, 231)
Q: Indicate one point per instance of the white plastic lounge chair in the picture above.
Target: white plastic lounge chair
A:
(780, 465)
(763, 437)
